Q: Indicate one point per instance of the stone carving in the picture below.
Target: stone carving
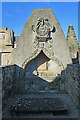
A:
(42, 30)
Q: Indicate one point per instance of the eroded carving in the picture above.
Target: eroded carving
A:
(42, 29)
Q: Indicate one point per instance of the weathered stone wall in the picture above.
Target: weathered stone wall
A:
(8, 82)
(6, 46)
(19, 80)
(72, 83)
(0, 93)
(79, 55)
(56, 45)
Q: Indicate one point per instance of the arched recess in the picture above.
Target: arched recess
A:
(47, 53)
(38, 76)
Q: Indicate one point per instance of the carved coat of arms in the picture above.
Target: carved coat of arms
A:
(42, 29)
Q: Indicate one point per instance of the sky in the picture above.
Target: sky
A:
(15, 14)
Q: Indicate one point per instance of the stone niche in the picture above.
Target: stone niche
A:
(42, 73)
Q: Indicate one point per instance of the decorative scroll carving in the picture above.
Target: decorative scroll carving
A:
(42, 30)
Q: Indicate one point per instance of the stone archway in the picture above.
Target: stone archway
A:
(46, 52)
(41, 71)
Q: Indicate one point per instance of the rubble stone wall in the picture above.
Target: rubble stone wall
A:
(8, 82)
(72, 83)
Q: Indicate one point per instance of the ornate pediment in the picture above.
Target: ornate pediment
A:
(42, 30)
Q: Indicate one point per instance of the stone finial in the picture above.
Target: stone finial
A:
(72, 42)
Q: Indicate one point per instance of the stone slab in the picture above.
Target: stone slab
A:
(40, 98)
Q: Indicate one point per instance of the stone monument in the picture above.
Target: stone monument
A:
(43, 70)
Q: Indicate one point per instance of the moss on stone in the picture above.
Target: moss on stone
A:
(35, 52)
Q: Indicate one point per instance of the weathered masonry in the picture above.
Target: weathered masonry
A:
(40, 68)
